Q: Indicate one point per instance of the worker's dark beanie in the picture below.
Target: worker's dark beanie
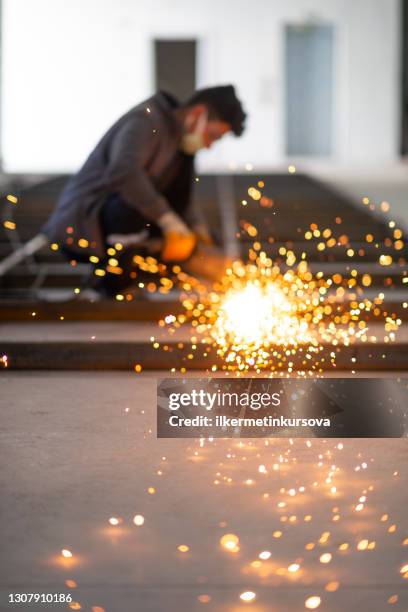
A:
(222, 103)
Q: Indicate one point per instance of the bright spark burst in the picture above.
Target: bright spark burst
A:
(260, 317)
(251, 315)
(275, 313)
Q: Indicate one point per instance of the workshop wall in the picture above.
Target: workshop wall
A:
(70, 68)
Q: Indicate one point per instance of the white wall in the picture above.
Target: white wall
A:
(70, 67)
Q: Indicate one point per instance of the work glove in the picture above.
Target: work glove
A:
(203, 235)
(179, 240)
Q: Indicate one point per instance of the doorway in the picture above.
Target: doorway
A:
(175, 67)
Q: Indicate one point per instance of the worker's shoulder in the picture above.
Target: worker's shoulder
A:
(145, 120)
(158, 107)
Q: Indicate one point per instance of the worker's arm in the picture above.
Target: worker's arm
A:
(132, 147)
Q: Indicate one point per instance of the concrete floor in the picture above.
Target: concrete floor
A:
(79, 448)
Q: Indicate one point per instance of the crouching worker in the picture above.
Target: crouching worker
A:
(135, 187)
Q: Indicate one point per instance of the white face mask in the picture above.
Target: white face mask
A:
(191, 142)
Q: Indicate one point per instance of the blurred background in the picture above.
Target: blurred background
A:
(323, 81)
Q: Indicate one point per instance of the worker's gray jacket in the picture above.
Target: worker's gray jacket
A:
(132, 159)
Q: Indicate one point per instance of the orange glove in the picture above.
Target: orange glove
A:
(178, 246)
